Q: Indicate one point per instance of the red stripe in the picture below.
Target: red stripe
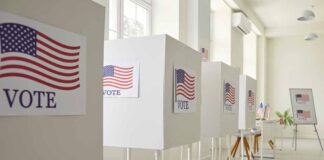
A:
(190, 86)
(57, 58)
(190, 98)
(118, 80)
(124, 75)
(116, 83)
(191, 77)
(187, 89)
(183, 90)
(122, 78)
(39, 81)
(56, 42)
(123, 71)
(57, 65)
(231, 97)
(57, 50)
(118, 87)
(39, 65)
(123, 68)
(39, 73)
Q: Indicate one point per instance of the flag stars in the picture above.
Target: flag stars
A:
(17, 38)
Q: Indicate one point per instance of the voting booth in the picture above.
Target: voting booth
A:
(152, 93)
(247, 107)
(220, 99)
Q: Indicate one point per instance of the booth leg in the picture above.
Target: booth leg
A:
(189, 152)
(181, 152)
(199, 151)
(319, 140)
(128, 154)
(219, 148)
(242, 146)
(212, 148)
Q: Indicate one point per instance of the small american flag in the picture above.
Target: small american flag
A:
(30, 54)
(302, 98)
(118, 77)
(185, 84)
(229, 93)
(302, 114)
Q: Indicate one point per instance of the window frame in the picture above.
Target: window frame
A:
(120, 16)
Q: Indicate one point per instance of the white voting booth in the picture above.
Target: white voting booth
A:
(248, 87)
(220, 100)
(166, 112)
(247, 112)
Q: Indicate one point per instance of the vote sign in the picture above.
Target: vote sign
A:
(184, 90)
(121, 79)
(42, 69)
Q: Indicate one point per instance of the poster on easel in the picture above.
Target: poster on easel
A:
(229, 96)
(302, 102)
(121, 80)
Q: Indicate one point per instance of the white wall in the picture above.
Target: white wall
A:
(60, 137)
(295, 63)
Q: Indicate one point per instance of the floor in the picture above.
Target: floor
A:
(308, 149)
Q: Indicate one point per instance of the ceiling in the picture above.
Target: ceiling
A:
(283, 14)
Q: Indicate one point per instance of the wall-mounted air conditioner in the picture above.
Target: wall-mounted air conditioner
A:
(241, 22)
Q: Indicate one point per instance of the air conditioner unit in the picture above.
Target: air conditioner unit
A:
(241, 22)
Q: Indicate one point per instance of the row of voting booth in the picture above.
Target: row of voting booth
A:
(159, 94)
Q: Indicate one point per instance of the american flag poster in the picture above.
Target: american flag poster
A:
(251, 100)
(302, 98)
(303, 106)
(42, 68)
(230, 93)
(121, 79)
(303, 114)
(184, 90)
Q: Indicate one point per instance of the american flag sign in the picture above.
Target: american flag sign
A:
(302, 98)
(118, 77)
(30, 54)
(229, 95)
(185, 84)
(303, 114)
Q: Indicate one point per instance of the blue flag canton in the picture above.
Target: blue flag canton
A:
(227, 87)
(180, 75)
(17, 38)
(109, 71)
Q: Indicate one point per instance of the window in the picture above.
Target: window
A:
(129, 18)
(250, 54)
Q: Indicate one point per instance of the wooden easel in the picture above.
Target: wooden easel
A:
(295, 136)
(246, 146)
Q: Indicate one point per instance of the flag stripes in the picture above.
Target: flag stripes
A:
(229, 93)
(118, 77)
(30, 54)
(185, 84)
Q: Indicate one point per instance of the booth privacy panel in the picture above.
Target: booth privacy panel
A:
(219, 110)
(247, 111)
(148, 121)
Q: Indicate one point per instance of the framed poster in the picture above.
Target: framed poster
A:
(230, 93)
(302, 102)
(184, 90)
(121, 79)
